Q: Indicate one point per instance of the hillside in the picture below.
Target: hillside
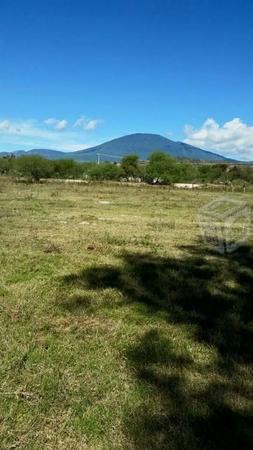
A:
(143, 144)
(45, 153)
(140, 143)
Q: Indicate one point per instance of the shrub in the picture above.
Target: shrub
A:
(34, 167)
(67, 168)
(162, 167)
(6, 165)
(106, 171)
(130, 167)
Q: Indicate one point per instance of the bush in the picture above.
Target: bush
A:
(65, 168)
(162, 167)
(34, 167)
(106, 171)
(6, 165)
(130, 167)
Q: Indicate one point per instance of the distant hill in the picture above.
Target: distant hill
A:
(143, 144)
(48, 154)
(140, 143)
(45, 153)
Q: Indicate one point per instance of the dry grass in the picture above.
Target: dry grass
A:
(118, 329)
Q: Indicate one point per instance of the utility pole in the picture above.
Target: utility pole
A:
(98, 158)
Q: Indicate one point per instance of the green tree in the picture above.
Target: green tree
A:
(162, 167)
(6, 164)
(105, 171)
(188, 173)
(65, 168)
(130, 166)
(34, 167)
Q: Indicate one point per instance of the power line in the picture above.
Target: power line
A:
(108, 155)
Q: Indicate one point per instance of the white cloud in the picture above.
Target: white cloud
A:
(233, 138)
(5, 125)
(87, 124)
(72, 146)
(57, 124)
(79, 122)
(91, 124)
(26, 128)
(28, 134)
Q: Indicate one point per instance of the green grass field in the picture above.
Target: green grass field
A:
(119, 329)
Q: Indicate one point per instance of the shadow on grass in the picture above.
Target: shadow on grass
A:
(212, 294)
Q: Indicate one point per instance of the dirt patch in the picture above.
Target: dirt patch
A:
(52, 247)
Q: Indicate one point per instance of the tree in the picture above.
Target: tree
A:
(5, 165)
(65, 168)
(162, 167)
(130, 166)
(105, 171)
(188, 172)
(34, 167)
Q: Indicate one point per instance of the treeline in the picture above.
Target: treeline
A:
(161, 168)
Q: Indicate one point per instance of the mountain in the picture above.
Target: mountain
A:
(143, 144)
(16, 153)
(48, 154)
(140, 143)
(45, 153)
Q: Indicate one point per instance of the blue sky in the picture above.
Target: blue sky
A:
(76, 73)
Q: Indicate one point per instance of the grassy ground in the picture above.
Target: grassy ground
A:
(119, 329)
